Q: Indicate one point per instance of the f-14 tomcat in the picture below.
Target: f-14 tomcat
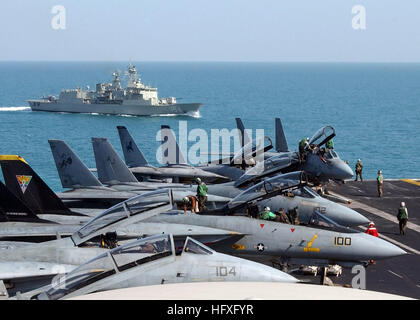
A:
(26, 267)
(156, 260)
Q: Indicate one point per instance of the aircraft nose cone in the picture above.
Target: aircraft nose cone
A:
(380, 249)
(342, 171)
(253, 271)
(388, 250)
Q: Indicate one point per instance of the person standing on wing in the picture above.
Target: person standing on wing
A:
(201, 194)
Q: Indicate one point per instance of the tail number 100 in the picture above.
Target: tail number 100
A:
(225, 271)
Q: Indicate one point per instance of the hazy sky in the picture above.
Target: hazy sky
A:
(212, 30)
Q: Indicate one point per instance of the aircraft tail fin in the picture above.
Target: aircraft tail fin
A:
(171, 152)
(132, 154)
(281, 143)
(243, 138)
(13, 209)
(109, 164)
(29, 188)
(72, 171)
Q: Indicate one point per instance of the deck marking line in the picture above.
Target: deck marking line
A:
(395, 274)
(382, 214)
(417, 183)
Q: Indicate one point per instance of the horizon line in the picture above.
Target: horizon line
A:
(220, 61)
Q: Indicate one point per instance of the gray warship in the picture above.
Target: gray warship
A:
(136, 99)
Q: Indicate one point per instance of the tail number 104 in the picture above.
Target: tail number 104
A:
(225, 271)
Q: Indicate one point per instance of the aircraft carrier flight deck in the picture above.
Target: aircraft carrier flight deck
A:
(398, 275)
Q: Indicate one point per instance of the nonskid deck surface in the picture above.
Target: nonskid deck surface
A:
(400, 275)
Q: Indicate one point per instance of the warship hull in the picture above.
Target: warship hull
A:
(115, 109)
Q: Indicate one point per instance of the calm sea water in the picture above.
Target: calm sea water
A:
(374, 108)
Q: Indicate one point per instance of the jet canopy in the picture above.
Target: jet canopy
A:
(320, 221)
(136, 254)
(253, 149)
(130, 211)
(322, 136)
(267, 167)
(270, 188)
(114, 261)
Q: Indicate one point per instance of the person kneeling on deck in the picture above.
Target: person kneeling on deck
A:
(268, 215)
(372, 229)
(190, 200)
(201, 194)
(402, 217)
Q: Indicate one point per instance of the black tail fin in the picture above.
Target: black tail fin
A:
(28, 187)
(132, 154)
(12, 209)
(243, 135)
(281, 143)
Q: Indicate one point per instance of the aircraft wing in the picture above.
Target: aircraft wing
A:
(176, 172)
(180, 194)
(85, 193)
(30, 269)
(12, 230)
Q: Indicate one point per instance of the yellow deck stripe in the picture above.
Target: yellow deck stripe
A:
(417, 183)
(12, 157)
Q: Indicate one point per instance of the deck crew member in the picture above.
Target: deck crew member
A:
(380, 182)
(329, 144)
(372, 229)
(358, 169)
(283, 216)
(402, 217)
(268, 215)
(201, 194)
(302, 145)
(190, 200)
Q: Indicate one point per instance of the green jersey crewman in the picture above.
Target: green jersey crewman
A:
(201, 194)
(267, 214)
(380, 182)
(402, 217)
(330, 144)
(302, 145)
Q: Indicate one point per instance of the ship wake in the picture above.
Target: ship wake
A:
(14, 108)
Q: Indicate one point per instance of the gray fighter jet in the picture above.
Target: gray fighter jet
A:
(113, 171)
(121, 183)
(30, 211)
(29, 266)
(76, 176)
(319, 238)
(156, 260)
(321, 163)
(301, 198)
(176, 168)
